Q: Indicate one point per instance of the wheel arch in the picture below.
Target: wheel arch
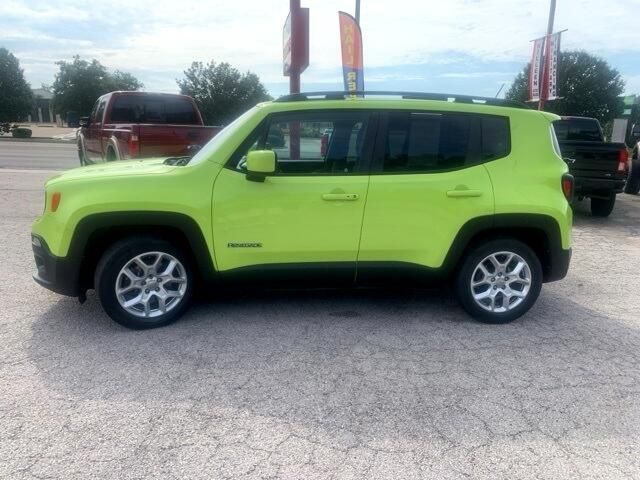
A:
(95, 233)
(539, 232)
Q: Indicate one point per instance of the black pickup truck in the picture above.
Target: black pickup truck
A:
(598, 167)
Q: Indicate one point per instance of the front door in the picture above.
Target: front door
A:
(303, 222)
(93, 136)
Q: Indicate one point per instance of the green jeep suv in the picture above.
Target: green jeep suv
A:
(369, 190)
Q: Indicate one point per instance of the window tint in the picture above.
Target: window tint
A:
(94, 110)
(100, 112)
(424, 142)
(496, 142)
(323, 143)
(153, 109)
(578, 129)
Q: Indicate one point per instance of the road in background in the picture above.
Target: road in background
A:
(344, 384)
(38, 155)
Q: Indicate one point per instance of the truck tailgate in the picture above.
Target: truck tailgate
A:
(591, 159)
(172, 140)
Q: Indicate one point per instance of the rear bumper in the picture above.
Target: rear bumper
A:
(55, 273)
(585, 186)
(559, 265)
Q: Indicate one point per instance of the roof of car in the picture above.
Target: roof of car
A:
(394, 95)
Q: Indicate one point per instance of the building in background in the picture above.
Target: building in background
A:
(42, 111)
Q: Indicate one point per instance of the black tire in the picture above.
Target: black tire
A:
(466, 275)
(602, 207)
(115, 259)
(111, 155)
(632, 187)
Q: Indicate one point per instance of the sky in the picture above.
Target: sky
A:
(453, 46)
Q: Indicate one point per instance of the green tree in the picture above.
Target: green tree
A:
(16, 98)
(79, 83)
(588, 86)
(221, 92)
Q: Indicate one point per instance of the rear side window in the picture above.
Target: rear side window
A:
(159, 109)
(578, 129)
(496, 139)
(425, 142)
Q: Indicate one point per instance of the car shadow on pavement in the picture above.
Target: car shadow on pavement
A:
(358, 366)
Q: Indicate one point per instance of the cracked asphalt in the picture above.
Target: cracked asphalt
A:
(308, 385)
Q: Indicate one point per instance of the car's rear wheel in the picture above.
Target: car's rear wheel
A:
(144, 282)
(111, 155)
(499, 281)
(602, 207)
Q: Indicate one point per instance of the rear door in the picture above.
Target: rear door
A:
(427, 181)
(303, 222)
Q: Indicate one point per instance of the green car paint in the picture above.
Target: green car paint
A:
(365, 217)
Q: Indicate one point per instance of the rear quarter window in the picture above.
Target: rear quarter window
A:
(496, 137)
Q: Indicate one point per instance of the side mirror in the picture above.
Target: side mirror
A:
(84, 122)
(260, 163)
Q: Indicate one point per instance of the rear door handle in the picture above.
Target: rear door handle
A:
(464, 193)
(340, 196)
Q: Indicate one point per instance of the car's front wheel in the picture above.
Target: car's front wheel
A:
(499, 281)
(144, 283)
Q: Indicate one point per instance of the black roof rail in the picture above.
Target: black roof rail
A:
(443, 97)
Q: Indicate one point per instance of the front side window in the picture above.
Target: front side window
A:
(426, 142)
(310, 143)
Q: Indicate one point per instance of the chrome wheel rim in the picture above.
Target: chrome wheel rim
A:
(501, 282)
(151, 284)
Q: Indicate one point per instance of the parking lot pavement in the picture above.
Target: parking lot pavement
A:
(380, 385)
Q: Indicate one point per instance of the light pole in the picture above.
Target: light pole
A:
(358, 12)
(545, 70)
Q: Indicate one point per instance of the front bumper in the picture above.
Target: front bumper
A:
(58, 274)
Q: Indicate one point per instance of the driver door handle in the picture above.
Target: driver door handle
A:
(340, 196)
(464, 193)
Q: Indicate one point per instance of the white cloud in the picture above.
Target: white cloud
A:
(166, 36)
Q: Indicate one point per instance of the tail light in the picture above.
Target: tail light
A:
(623, 160)
(134, 146)
(568, 186)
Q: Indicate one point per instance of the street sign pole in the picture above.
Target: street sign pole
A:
(358, 12)
(545, 70)
(294, 75)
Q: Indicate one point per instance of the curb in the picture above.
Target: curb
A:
(38, 140)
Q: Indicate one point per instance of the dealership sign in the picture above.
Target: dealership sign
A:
(543, 71)
(295, 42)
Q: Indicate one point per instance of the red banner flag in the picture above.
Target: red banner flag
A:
(535, 70)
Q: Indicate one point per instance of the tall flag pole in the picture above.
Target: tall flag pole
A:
(351, 43)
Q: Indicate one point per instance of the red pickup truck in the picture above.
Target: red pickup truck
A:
(129, 125)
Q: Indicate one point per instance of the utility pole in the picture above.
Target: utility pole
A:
(358, 12)
(547, 49)
(294, 75)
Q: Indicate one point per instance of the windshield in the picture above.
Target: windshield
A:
(227, 132)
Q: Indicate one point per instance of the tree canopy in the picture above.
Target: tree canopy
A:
(79, 83)
(221, 92)
(587, 84)
(16, 98)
